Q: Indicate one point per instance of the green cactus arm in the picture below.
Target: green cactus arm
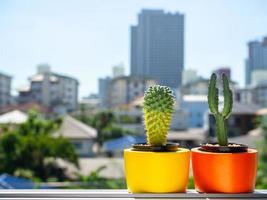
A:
(228, 98)
(158, 108)
(213, 94)
(221, 130)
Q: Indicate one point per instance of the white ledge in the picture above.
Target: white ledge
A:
(120, 194)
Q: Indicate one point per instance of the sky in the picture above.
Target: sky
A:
(85, 38)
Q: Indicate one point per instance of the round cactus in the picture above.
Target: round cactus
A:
(158, 108)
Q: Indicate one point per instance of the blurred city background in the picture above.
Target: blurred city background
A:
(73, 76)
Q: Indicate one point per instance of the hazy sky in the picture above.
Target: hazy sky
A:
(85, 38)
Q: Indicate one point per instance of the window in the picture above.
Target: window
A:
(77, 145)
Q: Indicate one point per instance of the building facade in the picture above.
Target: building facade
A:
(254, 95)
(189, 76)
(52, 90)
(196, 106)
(103, 84)
(123, 90)
(223, 70)
(5, 89)
(157, 47)
(257, 58)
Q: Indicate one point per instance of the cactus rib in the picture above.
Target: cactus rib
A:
(213, 94)
(228, 98)
(158, 109)
(213, 101)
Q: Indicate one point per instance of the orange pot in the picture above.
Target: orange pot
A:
(224, 172)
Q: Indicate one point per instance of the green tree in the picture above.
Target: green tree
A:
(262, 146)
(32, 147)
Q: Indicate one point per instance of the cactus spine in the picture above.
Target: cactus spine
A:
(213, 101)
(158, 108)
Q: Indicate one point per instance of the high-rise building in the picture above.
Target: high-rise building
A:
(5, 89)
(52, 90)
(103, 84)
(157, 47)
(257, 58)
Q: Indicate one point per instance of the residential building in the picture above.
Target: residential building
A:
(180, 119)
(115, 147)
(189, 138)
(245, 95)
(79, 134)
(256, 92)
(189, 76)
(257, 58)
(196, 106)
(103, 85)
(254, 95)
(259, 77)
(157, 47)
(125, 89)
(26, 107)
(241, 121)
(13, 117)
(90, 102)
(5, 89)
(200, 87)
(24, 94)
(52, 90)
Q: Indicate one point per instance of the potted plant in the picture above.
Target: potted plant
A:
(157, 166)
(223, 167)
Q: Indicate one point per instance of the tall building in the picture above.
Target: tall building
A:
(52, 90)
(5, 89)
(103, 84)
(257, 58)
(157, 47)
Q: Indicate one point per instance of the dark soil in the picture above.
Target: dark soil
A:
(169, 147)
(230, 148)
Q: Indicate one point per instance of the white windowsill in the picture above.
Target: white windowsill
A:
(120, 194)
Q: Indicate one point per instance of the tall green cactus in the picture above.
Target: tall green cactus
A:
(213, 101)
(158, 108)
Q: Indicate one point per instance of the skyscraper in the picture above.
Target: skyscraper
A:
(103, 85)
(5, 89)
(257, 58)
(157, 47)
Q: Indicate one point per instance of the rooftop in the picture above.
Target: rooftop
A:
(243, 108)
(25, 108)
(191, 134)
(6, 75)
(73, 129)
(13, 117)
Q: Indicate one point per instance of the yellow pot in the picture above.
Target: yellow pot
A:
(156, 172)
